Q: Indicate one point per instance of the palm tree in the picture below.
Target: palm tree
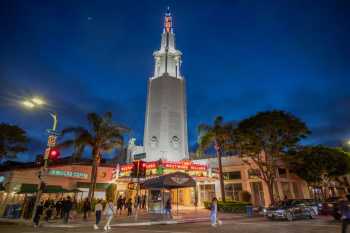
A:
(216, 135)
(102, 136)
(13, 140)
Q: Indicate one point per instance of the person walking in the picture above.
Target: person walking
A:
(129, 206)
(58, 207)
(144, 198)
(345, 211)
(214, 212)
(98, 212)
(168, 208)
(119, 205)
(38, 213)
(109, 212)
(66, 208)
(48, 211)
(86, 208)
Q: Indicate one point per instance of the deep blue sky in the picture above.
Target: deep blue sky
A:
(240, 57)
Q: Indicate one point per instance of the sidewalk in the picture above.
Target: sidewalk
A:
(144, 219)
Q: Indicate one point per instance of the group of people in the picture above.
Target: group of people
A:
(62, 207)
(128, 204)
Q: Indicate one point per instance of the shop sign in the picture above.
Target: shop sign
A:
(139, 156)
(72, 174)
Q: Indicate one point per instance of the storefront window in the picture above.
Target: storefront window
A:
(207, 192)
(257, 193)
(297, 191)
(253, 173)
(286, 189)
(233, 191)
(234, 175)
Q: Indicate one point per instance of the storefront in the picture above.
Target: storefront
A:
(20, 184)
(169, 187)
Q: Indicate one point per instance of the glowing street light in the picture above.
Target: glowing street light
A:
(38, 101)
(28, 104)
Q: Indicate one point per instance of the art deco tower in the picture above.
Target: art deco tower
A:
(165, 135)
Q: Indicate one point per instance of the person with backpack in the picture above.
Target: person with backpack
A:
(109, 212)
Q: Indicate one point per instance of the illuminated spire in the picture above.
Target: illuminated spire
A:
(168, 22)
(167, 58)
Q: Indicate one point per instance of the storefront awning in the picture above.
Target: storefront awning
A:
(33, 188)
(99, 186)
(171, 181)
(28, 188)
(54, 189)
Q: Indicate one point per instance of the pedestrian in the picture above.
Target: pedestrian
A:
(98, 212)
(214, 212)
(144, 198)
(58, 207)
(38, 213)
(109, 212)
(168, 208)
(345, 211)
(129, 206)
(48, 211)
(86, 208)
(119, 205)
(66, 208)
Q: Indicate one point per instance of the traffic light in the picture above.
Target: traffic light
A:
(54, 154)
(142, 169)
(138, 169)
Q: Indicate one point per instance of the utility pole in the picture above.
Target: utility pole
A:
(51, 142)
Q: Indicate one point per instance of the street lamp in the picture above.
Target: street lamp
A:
(37, 102)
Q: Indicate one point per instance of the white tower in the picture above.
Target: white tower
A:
(165, 134)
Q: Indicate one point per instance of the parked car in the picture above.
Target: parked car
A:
(291, 210)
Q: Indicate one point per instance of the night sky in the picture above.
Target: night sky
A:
(240, 57)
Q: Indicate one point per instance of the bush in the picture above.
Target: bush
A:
(230, 206)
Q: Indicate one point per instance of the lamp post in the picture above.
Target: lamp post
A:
(51, 142)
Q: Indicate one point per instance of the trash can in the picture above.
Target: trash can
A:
(249, 209)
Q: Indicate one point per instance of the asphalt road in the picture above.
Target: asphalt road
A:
(241, 226)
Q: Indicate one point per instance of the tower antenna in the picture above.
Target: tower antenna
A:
(167, 26)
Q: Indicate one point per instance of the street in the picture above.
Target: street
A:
(240, 226)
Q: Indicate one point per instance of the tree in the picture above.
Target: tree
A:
(102, 136)
(216, 135)
(13, 140)
(262, 140)
(319, 165)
